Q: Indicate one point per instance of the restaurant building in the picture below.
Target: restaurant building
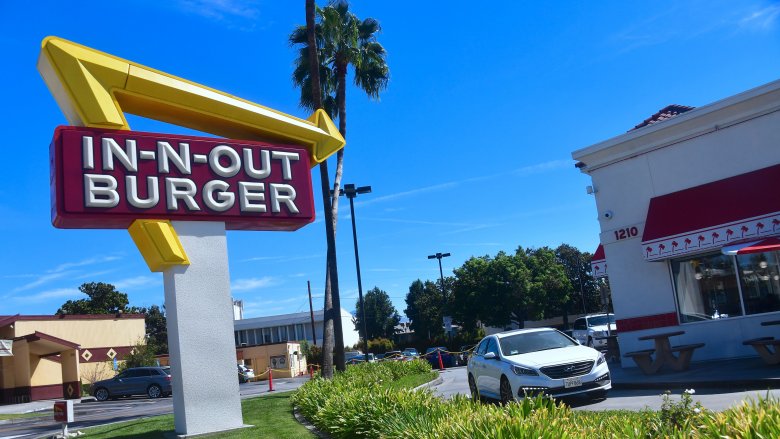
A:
(689, 212)
(52, 355)
(285, 328)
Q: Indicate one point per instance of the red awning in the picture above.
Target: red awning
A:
(713, 215)
(598, 263)
(746, 248)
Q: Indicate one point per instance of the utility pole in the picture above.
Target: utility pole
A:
(311, 314)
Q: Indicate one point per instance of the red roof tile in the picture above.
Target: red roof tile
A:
(665, 113)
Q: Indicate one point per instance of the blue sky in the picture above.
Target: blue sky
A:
(468, 151)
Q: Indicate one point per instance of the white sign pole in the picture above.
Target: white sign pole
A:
(200, 333)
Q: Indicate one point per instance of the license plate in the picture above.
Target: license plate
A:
(572, 382)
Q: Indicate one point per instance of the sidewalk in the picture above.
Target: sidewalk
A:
(36, 406)
(741, 374)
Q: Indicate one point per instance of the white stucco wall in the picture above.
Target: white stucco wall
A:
(728, 138)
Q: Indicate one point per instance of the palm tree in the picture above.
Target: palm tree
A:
(342, 40)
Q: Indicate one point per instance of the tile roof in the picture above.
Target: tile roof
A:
(665, 113)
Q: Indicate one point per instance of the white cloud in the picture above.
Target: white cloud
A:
(137, 281)
(43, 296)
(236, 14)
(537, 168)
(762, 20)
(63, 270)
(252, 283)
(41, 279)
(91, 261)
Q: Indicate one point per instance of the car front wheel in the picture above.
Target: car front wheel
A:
(154, 391)
(590, 342)
(473, 388)
(506, 391)
(101, 394)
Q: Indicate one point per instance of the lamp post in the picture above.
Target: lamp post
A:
(350, 191)
(441, 273)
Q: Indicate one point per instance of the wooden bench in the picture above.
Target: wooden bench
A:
(762, 346)
(685, 352)
(643, 360)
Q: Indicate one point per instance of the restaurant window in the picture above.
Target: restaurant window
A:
(759, 276)
(706, 288)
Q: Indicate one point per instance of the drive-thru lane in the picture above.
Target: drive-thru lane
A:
(454, 381)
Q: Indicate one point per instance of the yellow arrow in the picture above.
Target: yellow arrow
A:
(95, 89)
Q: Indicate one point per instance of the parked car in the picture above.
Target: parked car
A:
(245, 374)
(153, 382)
(512, 364)
(356, 357)
(465, 352)
(588, 329)
(411, 353)
(447, 359)
(394, 356)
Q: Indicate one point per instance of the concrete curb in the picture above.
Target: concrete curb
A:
(309, 426)
(757, 384)
(432, 383)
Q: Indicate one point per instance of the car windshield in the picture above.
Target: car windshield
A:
(600, 320)
(440, 348)
(533, 342)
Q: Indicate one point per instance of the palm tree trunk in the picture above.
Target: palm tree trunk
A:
(332, 312)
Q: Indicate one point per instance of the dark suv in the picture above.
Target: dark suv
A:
(153, 382)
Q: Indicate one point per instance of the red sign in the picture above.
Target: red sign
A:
(105, 179)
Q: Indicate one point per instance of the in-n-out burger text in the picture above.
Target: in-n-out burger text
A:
(247, 185)
(101, 189)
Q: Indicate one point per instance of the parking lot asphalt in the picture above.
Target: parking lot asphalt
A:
(454, 381)
(90, 413)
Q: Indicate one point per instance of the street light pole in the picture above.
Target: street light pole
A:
(350, 191)
(441, 273)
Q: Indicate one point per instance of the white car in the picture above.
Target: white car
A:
(245, 374)
(511, 365)
(588, 330)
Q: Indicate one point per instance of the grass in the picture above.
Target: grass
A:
(270, 416)
(6, 417)
(412, 381)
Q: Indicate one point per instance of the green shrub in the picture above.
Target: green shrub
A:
(359, 404)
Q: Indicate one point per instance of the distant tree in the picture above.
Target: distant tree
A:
(548, 287)
(381, 315)
(425, 308)
(468, 292)
(141, 355)
(509, 289)
(102, 298)
(312, 352)
(156, 329)
(585, 290)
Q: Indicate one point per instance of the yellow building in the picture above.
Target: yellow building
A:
(286, 359)
(53, 355)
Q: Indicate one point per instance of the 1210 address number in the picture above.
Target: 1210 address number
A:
(628, 232)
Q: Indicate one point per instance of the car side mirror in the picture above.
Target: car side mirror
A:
(490, 356)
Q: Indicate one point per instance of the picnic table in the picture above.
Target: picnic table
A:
(767, 347)
(664, 353)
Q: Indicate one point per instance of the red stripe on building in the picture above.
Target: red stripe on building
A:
(647, 322)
